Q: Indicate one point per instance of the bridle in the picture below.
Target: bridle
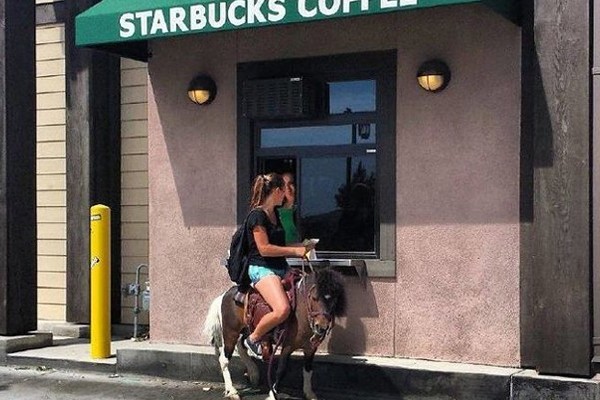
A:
(318, 336)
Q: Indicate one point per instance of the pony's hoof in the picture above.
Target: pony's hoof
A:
(310, 396)
(232, 396)
(272, 395)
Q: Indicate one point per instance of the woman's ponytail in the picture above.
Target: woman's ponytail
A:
(258, 189)
(262, 186)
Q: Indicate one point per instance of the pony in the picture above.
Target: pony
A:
(320, 298)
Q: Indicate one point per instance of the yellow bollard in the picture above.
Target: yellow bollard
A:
(100, 281)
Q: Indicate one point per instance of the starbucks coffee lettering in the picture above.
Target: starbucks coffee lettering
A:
(225, 15)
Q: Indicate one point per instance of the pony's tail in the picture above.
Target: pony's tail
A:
(213, 327)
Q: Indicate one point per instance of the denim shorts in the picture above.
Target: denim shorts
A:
(257, 272)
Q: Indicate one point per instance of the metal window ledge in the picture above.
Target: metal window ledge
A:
(347, 267)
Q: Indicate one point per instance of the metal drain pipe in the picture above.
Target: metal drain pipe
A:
(133, 289)
(136, 309)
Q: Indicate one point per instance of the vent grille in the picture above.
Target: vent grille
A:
(282, 98)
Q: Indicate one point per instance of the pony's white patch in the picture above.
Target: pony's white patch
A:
(224, 362)
(307, 385)
(327, 296)
(213, 328)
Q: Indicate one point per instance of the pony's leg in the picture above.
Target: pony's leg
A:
(307, 371)
(282, 362)
(251, 368)
(226, 351)
(214, 329)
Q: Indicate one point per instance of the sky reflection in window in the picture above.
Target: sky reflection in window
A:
(352, 96)
(322, 135)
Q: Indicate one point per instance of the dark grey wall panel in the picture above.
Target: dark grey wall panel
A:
(93, 162)
(596, 177)
(558, 283)
(18, 242)
(528, 278)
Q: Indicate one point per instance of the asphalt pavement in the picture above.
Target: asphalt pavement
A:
(40, 383)
(139, 370)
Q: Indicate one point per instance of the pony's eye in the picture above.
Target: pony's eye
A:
(327, 296)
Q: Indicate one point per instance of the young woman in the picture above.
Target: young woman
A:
(287, 211)
(267, 253)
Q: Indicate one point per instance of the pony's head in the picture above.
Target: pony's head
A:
(331, 292)
(326, 300)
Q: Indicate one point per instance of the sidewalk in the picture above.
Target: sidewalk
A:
(388, 377)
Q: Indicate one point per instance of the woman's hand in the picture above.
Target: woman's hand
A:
(307, 246)
(300, 252)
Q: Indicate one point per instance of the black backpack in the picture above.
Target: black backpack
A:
(237, 262)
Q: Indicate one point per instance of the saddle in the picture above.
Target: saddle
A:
(255, 308)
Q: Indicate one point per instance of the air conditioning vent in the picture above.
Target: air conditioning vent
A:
(283, 98)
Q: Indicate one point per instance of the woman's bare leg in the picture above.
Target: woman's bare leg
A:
(271, 290)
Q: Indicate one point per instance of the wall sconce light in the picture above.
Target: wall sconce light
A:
(202, 90)
(433, 75)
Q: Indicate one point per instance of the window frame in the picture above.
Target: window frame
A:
(380, 66)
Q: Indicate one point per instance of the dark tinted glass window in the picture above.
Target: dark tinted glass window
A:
(341, 153)
(337, 197)
(352, 96)
(327, 135)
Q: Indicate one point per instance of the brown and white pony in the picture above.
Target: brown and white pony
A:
(320, 298)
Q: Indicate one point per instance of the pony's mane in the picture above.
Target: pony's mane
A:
(331, 291)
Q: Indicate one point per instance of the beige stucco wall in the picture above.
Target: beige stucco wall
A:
(456, 292)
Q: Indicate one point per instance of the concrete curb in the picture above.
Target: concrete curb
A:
(65, 329)
(68, 329)
(389, 378)
(353, 375)
(383, 377)
(12, 344)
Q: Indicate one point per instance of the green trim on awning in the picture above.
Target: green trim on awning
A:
(115, 21)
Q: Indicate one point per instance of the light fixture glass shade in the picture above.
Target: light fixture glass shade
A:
(202, 90)
(431, 83)
(433, 75)
(199, 96)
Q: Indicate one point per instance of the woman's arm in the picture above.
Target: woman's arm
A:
(267, 249)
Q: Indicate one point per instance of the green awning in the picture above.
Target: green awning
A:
(119, 21)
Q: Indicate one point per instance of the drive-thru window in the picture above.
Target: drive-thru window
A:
(339, 147)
